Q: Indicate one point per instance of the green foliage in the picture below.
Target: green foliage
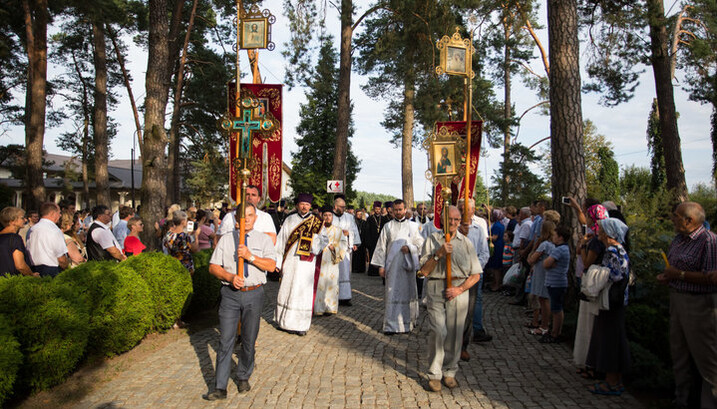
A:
(654, 146)
(206, 286)
(50, 320)
(312, 165)
(634, 179)
(10, 358)
(525, 186)
(608, 175)
(368, 198)
(121, 304)
(649, 371)
(707, 197)
(170, 285)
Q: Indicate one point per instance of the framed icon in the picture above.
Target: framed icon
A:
(456, 55)
(254, 33)
(456, 60)
(444, 160)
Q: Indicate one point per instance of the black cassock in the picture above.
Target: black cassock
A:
(373, 228)
(358, 258)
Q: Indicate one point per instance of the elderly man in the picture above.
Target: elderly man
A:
(264, 223)
(297, 245)
(447, 306)
(242, 299)
(692, 261)
(46, 246)
(397, 258)
(101, 243)
(347, 224)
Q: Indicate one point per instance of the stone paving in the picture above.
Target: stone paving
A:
(345, 361)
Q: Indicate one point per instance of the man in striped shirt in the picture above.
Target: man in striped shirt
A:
(692, 261)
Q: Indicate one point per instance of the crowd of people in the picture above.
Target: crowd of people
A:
(521, 253)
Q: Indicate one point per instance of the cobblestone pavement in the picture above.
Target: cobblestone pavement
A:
(345, 361)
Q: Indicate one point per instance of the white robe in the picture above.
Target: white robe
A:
(401, 294)
(347, 222)
(296, 292)
(327, 288)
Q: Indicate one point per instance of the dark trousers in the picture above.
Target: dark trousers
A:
(372, 269)
(472, 293)
(46, 271)
(236, 305)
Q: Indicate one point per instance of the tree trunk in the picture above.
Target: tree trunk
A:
(127, 84)
(566, 122)
(666, 100)
(155, 138)
(36, 18)
(409, 94)
(344, 102)
(85, 170)
(713, 135)
(507, 111)
(253, 56)
(175, 139)
(99, 125)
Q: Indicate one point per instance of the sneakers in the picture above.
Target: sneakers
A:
(243, 386)
(434, 385)
(450, 382)
(482, 336)
(538, 331)
(217, 394)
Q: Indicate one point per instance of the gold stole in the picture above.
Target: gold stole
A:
(304, 233)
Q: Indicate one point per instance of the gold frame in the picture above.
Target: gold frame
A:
(263, 31)
(452, 155)
(458, 47)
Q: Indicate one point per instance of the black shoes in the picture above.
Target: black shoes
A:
(243, 386)
(217, 394)
(345, 302)
(482, 336)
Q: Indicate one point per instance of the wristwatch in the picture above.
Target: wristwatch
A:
(435, 257)
(251, 259)
(682, 275)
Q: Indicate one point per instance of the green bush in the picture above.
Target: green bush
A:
(121, 305)
(206, 286)
(51, 322)
(645, 325)
(10, 358)
(649, 371)
(170, 285)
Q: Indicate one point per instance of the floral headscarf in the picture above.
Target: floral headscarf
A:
(597, 212)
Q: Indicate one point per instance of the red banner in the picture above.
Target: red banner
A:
(457, 129)
(266, 147)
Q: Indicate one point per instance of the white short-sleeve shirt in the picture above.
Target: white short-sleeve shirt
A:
(104, 237)
(264, 223)
(45, 244)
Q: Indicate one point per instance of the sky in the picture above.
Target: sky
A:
(624, 126)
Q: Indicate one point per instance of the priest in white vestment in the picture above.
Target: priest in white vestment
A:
(326, 280)
(297, 245)
(347, 223)
(396, 256)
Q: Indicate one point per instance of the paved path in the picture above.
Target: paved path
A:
(345, 361)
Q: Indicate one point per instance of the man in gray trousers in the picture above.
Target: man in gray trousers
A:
(242, 299)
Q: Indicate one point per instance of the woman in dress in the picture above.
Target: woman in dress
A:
(609, 351)
(132, 244)
(207, 237)
(541, 315)
(179, 243)
(13, 259)
(70, 224)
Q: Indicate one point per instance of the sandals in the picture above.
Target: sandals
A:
(586, 373)
(539, 331)
(604, 388)
(530, 325)
(548, 339)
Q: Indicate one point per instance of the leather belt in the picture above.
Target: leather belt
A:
(253, 287)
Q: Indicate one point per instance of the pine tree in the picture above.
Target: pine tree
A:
(609, 174)
(654, 146)
(313, 163)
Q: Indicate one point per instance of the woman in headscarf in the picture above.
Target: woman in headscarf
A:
(609, 352)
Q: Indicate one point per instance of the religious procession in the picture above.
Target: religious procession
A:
(266, 245)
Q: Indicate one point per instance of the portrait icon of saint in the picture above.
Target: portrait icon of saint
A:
(444, 165)
(253, 34)
(456, 60)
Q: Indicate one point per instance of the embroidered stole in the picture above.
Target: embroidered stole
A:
(304, 234)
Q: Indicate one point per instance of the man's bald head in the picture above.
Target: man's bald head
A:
(693, 211)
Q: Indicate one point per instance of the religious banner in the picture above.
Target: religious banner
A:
(266, 154)
(457, 129)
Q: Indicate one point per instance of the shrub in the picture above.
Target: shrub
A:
(50, 321)
(206, 286)
(10, 358)
(170, 285)
(648, 370)
(121, 305)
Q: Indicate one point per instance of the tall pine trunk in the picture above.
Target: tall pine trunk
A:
(507, 111)
(344, 102)
(409, 95)
(99, 123)
(666, 100)
(36, 18)
(152, 149)
(566, 122)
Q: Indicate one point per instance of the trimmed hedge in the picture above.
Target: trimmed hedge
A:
(51, 322)
(10, 358)
(170, 286)
(206, 286)
(120, 302)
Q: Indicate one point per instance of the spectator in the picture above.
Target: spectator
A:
(32, 218)
(541, 315)
(132, 244)
(69, 223)
(101, 243)
(497, 229)
(512, 214)
(207, 239)
(46, 246)
(12, 248)
(556, 280)
(121, 231)
(179, 244)
(520, 240)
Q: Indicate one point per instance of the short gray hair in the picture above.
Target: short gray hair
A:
(178, 217)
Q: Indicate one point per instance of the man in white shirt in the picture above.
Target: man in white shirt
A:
(101, 243)
(121, 230)
(46, 244)
(264, 223)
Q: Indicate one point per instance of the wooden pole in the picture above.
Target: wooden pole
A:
(469, 117)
